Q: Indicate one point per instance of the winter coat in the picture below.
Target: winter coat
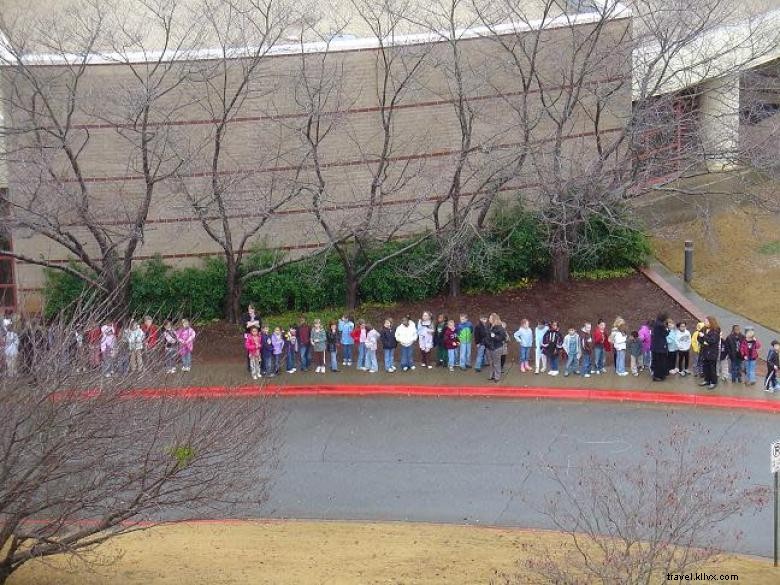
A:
(253, 344)
(291, 342)
(346, 328)
(332, 340)
(480, 332)
(387, 337)
(539, 333)
(107, 339)
(749, 349)
(671, 340)
(151, 334)
(658, 338)
(450, 339)
(465, 332)
(645, 337)
(186, 337)
(696, 338)
(372, 340)
(496, 338)
(710, 345)
(586, 342)
(684, 340)
(277, 340)
(600, 338)
(406, 335)
(267, 344)
(634, 347)
(318, 340)
(733, 343)
(358, 335)
(524, 336)
(552, 342)
(169, 339)
(619, 340)
(571, 343)
(438, 334)
(304, 335)
(772, 361)
(425, 335)
(134, 339)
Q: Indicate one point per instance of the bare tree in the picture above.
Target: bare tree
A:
(56, 118)
(237, 204)
(85, 459)
(636, 523)
(357, 211)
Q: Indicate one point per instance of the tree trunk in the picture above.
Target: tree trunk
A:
(454, 279)
(352, 290)
(560, 266)
(232, 308)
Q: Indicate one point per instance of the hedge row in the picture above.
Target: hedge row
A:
(511, 251)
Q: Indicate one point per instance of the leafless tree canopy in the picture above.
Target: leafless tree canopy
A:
(84, 460)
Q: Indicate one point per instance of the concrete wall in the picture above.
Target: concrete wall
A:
(263, 144)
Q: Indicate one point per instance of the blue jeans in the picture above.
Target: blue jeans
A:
(371, 362)
(735, 367)
(107, 362)
(571, 363)
(305, 352)
(389, 359)
(480, 361)
(585, 364)
(290, 359)
(525, 354)
(553, 362)
(647, 357)
(598, 358)
(465, 355)
(451, 357)
(186, 360)
(170, 357)
(406, 357)
(347, 352)
(750, 370)
(334, 360)
(620, 364)
(362, 356)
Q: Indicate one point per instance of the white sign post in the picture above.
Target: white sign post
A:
(775, 469)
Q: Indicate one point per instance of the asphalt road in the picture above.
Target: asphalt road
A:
(479, 461)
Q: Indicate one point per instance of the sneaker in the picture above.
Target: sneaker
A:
(566, 374)
(336, 370)
(636, 373)
(536, 371)
(344, 363)
(586, 376)
(372, 371)
(604, 370)
(391, 370)
(430, 367)
(623, 374)
(406, 369)
(553, 372)
(411, 367)
(451, 369)
(711, 387)
(254, 376)
(475, 369)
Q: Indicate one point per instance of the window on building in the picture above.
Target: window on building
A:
(7, 281)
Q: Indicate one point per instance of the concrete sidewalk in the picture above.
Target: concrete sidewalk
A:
(695, 301)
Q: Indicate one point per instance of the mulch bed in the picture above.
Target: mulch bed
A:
(634, 298)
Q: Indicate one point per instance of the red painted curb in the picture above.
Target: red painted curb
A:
(582, 394)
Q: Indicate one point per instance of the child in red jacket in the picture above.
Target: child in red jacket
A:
(451, 344)
(748, 349)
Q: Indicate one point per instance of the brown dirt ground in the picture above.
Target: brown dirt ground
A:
(309, 553)
(729, 270)
(634, 298)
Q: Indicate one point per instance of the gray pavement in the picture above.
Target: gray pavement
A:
(479, 461)
(725, 317)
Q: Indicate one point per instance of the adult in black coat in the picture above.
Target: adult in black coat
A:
(659, 348)
(494, 344)
(710, 352)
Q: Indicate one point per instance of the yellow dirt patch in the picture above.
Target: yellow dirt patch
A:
(309, 553)
(729, 268)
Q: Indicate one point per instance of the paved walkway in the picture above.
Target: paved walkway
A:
(725, 317)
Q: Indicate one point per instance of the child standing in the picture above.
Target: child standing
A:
(332, 345)
(586, 349)
(451, 344)
(749, 349)
(406, 335)
(645, 336)
(600, 342)
(304, 344)
(346, 326)
(571, 344)
(696, 347)
(425, 339)
(552, 343)
(619, 342)
(733, 343)
(772, 367)
(319, 341)
(291, 344)
(438, 340)
(480, 333)
(151, 333)
(135, 346)
(186, 337)
(465, 333)
(684, 340)
(634, 351)
(525, 337)
(277, 341)
(170, 344)
(539, 356)
(107, 348)
(359, 337)
(372, 343)
(671, 343)
(253, 344)
(387, 336)
(266, 352)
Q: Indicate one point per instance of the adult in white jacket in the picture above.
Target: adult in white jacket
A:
(406, 335)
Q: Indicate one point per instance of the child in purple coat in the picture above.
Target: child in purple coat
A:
(277, 341)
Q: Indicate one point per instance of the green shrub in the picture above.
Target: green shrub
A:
(610, 245)
(61, 291)
(603, 273)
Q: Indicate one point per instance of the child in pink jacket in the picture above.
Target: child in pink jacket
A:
(186, 337)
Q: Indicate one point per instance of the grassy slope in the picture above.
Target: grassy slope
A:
(306, 553)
